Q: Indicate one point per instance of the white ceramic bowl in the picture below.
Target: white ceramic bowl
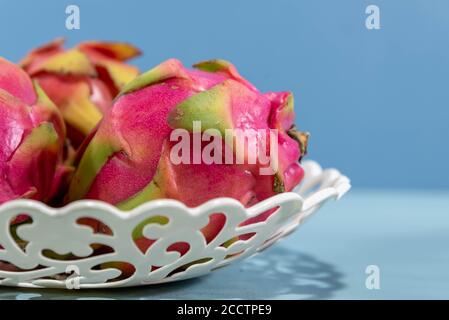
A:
(58, 230)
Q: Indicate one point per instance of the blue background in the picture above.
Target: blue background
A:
(375, 101)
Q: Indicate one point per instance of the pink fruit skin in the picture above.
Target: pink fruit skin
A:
(147, 126)
(137, 127)
(32, 135)
(90, 91)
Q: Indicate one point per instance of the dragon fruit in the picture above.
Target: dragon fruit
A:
(126, 160)
(81, 81)
(32, 139)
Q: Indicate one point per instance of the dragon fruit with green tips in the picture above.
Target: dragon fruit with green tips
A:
(126, 160)
(32, 140)
(82, 81)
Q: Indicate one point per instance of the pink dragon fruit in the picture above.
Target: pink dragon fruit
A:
(126, 160)
(81, 81)
(32, 139)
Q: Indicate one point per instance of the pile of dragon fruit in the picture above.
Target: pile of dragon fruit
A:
(81, 123)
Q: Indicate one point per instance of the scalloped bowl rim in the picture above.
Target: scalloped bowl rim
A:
(292, 208)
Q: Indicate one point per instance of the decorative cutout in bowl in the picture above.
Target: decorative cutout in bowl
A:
(43, 253)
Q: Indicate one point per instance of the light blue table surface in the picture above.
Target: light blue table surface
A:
(404, 233)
